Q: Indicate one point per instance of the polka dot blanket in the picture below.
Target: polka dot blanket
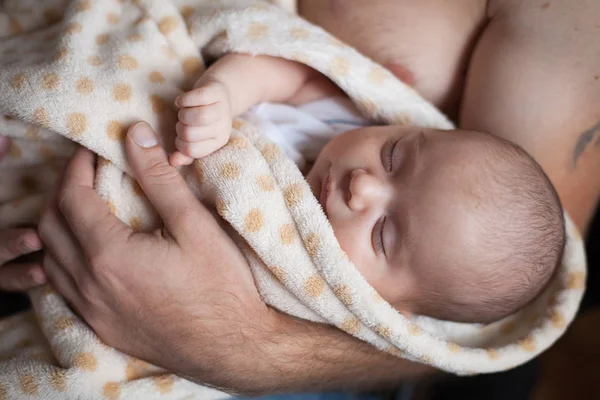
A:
(83, 71)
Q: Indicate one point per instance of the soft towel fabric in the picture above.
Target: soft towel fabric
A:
(109, 63)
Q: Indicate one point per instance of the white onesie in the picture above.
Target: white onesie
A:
(302, 131)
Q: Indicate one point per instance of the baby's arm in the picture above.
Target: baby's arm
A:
(228, 88)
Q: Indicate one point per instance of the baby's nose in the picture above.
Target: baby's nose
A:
(365, 190)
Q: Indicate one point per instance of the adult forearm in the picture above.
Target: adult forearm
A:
(285, 354)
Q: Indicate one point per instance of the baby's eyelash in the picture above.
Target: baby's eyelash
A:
(388, 152)
(378, 235)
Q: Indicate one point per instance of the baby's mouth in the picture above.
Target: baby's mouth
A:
(325, 190)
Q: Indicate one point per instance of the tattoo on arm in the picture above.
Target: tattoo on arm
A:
(585, 138)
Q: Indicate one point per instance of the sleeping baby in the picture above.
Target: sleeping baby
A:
(455, 225)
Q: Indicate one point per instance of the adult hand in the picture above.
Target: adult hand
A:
(159, 296)
(15, 243)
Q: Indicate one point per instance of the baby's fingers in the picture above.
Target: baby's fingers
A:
(202, 115)
(199, 149)
(205, 94)
(178, 159)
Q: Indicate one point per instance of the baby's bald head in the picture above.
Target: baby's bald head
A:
(509, 238)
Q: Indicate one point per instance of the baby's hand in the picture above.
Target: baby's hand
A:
(204, 121)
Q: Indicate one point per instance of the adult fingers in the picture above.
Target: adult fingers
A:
(161, 182)
(17, 242)
(84, 211)
(19, 277)
(61, 280)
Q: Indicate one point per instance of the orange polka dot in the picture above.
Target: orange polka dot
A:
(313, 244)
(85, 86)
(368, 106)
(52, 16)
(33, 133)
(85, 361)
(63, 323)
(135, 37)
(111, 391)
(508, 328)
(493, 354)
(527, 344)
(238, 124)
(169, 52)
(292, 194)
(301, 58)
(351, 325)
(314, 286)
(61, 54)
(237, 142)
(94, 61)
(257, 31)
(343, 293)
(156, 77)
(127, 62)
(221, 207)
(111, 207)
(254, 221)
(279, 273)
(83, 5)
(137, 189)
(298, 32)
(401, 119)
(50, 81)
(76, 124)
(191, 66)
(18, 81)
(576, 280)
(425, 359)
(164, 383)
(378, 75)
(122, 92)
(116, 131)
(383, 331)
(270, 152)
(266, 183)
(112, 18)
(287, 234)
(393, 350)
(558, 320)
(73, 28)
(339, 67)
(186, 11)
(58, 380)
(135, 224)
(453, 347)
(168, 24)
(414, 330)
(102, 39)
(28, 384)
(159, 106)
(230, 171)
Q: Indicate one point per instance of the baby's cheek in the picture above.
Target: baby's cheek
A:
(355, 246)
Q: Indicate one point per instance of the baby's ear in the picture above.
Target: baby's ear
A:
(401, 72)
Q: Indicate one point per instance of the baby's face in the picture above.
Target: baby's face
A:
(395, 197)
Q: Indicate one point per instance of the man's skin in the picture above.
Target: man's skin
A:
(181, 295)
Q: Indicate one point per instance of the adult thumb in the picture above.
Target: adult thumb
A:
(161, 182)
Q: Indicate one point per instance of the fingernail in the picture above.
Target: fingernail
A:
(142, 134)
(178, 101)
(37, 276)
